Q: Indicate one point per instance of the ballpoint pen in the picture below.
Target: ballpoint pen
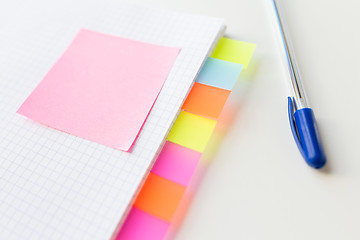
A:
(302, 120)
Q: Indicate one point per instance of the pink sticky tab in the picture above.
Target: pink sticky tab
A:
(102, 88)
(176, 163)
(140, 225)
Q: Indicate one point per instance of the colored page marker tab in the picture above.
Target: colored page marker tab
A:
(234, 51)
(192, 131)
(219, 73)
(159, 197)
(140, 225)
(206, 100)
(176, 163)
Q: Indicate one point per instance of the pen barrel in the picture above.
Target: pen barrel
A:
(289, 57)
(310, 138)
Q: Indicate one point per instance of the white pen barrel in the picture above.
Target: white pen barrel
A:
(296, 83)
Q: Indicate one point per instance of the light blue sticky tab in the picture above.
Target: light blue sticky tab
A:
(219, 73)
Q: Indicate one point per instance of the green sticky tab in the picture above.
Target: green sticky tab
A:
(192, 131)
(234, 51)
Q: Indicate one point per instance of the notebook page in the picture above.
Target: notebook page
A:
(54, 185)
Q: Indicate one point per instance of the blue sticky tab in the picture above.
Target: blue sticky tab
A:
(219, 73)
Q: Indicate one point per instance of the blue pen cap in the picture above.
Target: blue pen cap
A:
(306, 134)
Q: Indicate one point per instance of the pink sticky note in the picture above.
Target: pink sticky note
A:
(140, 225)
(176, 163)
(102, 88)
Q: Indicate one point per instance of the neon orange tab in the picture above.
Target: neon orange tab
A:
(159, 197)
(206, 100)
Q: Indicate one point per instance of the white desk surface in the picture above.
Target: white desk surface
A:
(257, 185)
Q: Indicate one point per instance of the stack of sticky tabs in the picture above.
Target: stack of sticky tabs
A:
(156, 204)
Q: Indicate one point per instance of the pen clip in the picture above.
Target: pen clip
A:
(291, 111)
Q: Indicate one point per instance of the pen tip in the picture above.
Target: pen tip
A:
(316, 162)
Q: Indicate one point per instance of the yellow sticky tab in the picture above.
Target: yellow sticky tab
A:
(234, 51)
(192, 131)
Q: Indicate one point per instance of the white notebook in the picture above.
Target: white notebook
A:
(57, 186)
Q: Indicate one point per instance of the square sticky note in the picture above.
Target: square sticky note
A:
(176, 163)
(159, 197)
(219, 73)
(192, 131)
(206, 100)
(140, 225)
(102, 88)
(234, 51)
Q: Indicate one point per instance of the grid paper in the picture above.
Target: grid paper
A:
(57, 186)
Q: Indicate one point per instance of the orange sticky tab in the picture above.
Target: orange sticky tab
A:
(206, 100)
(159, 197)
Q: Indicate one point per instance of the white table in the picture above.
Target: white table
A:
(257, 185)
